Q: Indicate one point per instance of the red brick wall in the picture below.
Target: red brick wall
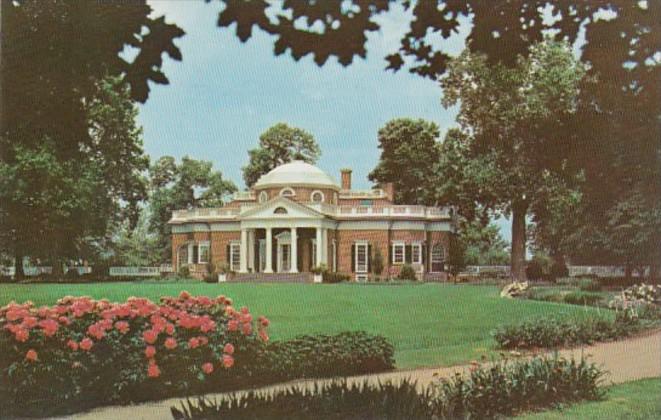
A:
(219, 242)
(346, 239)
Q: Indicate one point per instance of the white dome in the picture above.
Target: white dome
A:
(296, 173)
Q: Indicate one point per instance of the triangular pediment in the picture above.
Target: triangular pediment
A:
(280, 208)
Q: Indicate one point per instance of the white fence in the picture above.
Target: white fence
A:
(574, 270)
(139, 271)
(35, 271)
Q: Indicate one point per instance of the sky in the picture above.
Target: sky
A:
(225, 93)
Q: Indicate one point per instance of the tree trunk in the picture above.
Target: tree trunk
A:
(654, 272)
(518, 269)
(19, 274)
(627, 272)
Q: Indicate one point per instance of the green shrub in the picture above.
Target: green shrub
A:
(582, 298)
(407, 273)
(210, 278)
(184, 271)
(589, 285)
(506, 389)
(330, 277)
(558, 270)
(554, 332)
(72, 274)
(311, 356)
(335, 400)
(534, 270)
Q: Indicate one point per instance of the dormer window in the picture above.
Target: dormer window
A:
(287, 192)
(280, 210)
(263, 197)
(317, 197)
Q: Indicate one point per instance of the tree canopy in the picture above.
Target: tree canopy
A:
(277, 145)
(192, 183)
(515, 125)
(406, 144)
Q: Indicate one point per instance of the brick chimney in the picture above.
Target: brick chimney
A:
(389, 189)
(346, 178)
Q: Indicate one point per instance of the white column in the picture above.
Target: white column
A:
(294, 251)
(269, 251)
(251, 250)
(243, 266)
(324, 250)
(190, 254)
(319, 247)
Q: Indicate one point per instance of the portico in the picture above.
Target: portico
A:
(284, 237)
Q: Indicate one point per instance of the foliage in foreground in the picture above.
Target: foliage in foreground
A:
(504, 389)
(554, 332)
(83, 353)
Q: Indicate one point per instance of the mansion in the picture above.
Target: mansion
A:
(296, 218)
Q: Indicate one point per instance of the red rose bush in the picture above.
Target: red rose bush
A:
(83, 351)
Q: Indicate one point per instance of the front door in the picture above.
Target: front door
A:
(284, 258)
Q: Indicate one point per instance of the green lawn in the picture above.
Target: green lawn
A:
(429, 324)
(638, 400)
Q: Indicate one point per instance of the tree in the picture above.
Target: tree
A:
(484, 244)
(56, 173)
(53, 207)
(192, 183)
(515, 124)
(135, 247)
(405, 145)
(377, 262)
(277, 145)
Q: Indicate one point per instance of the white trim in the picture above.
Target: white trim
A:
(334, 250)
(323, 197)
(361, 269)
(287, 190)
(235, 260)
(431, 259)
(417, 253)
(200, 245)
(263, 197)
(394, 254)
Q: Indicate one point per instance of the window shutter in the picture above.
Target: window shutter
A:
(408, 254)
(353, 258)
(227, 254)
(369, 258)
(196, 254)
(390, 253)
(424, 255)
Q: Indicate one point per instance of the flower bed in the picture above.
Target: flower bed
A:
(504, 389)
(82, 352)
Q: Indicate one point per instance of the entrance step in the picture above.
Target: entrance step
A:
(272, 278)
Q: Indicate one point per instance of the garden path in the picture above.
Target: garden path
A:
(625, 360)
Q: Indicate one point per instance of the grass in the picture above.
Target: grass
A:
(429, 324)
(638, 400)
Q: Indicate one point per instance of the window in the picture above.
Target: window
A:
(280, 210)
(203, 253)
(416, 253)
(398, 250)
(437, 258)
(235, 256)
(263, 197)
(365, 202)
(361, 257)
(317, 197)
(287, 192)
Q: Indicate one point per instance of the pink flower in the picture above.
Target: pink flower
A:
(169, 328)
(228, 361)
(264, 321)
(86, 344)
(153, 371)
(263, 336)
(122, 326)
(31, 355)
(170, 343)
(233, 325)
(150, 351)
(150, 336)
(72, 345)
(246, 329)
(64, 320)
(21, 335)
(207, 368)
(193, 343)
(184, 295)
(229, 348)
